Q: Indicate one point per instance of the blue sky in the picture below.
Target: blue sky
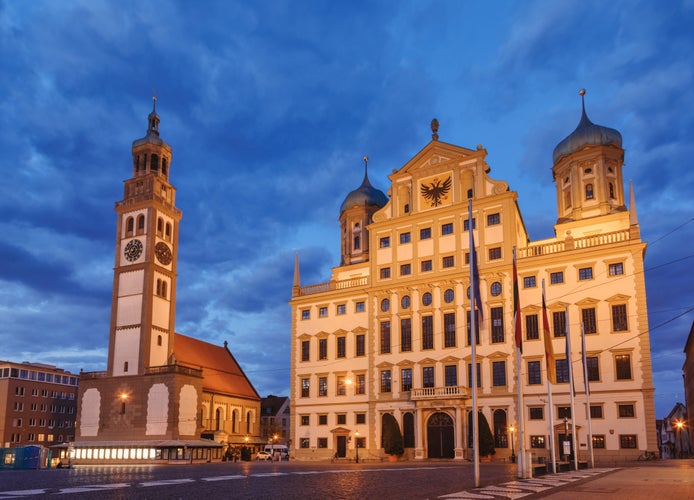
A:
(269, 108)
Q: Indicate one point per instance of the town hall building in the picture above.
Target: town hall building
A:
(389, 333)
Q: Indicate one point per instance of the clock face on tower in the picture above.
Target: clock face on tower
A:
(163, 253)
(133, 250)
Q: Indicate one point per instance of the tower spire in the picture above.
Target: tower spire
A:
(296, 287)
(153, 118)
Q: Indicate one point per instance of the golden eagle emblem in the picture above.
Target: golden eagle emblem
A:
(436, 191)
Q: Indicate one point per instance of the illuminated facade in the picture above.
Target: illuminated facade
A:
(164, 396)
(389, 333)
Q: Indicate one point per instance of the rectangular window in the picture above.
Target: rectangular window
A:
(590, 325)
(564, 412)
(585, 273)
(305, 442)
(478, 374)
(499, 373)
(385, 337)
(466, 224)
(537, 441)
(495, 253)
(341, 389)
(404, 238)
(529, 282)
(619, 318)
(593, 368)
(626, 411)
(427, 332)
(306, 314)
(623, 364)
(534, 373)
(425, 233)
(322, 420)
(493, 219)
(598, 441)
(405, 334)
(322, 442)
(532, 330)
(536, 413)
(361, 384)
(556, 278)
(322, 348)
(341, 347)
(562, 371)
(305, 350)
(447, 228)
(559, 323)
(426, 266)
(451, 375)
(341, 309)
(497, 324)
(360, 418)
(341, 419)
(323, 312)
(359, 307)
(323, 386)
(448, 261)
(406, 379)
(627, 440)
(467, 258)
(477, 328)
(384, 242)
(385, 381)
(405, 269)
(616, 269)
(305, 387)
(385, 273)
(595, 411)
(449, 330)
(360, 345)
(428, 376)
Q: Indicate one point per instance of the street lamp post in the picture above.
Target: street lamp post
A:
(356, 443)
(513, 449)
(678, 434)
(566, 437)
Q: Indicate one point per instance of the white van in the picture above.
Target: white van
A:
(275, 449)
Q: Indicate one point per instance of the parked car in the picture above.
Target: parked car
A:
(263, 455)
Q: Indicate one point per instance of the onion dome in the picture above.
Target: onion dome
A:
(152, 136)
(365, 195)
(586, 133)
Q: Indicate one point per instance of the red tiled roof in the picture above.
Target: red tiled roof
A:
(220, 371)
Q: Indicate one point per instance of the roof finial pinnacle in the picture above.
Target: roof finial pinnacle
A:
(582, 93)
(435, 129)
(154, 100)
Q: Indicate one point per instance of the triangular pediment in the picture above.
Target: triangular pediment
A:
(359, 329)
(436, 156)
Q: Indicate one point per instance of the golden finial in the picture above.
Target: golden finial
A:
(435, 129)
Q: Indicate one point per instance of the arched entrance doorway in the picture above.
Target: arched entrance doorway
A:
(440, 436)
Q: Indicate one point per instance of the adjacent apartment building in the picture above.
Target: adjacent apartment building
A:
(390, 331)
(38, 404)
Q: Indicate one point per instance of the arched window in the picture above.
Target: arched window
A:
(408, 430)
(129, 226)
(163, 166)
(125, 366)
(159, 340)
(233, 421)
(611, 190)
(140, 223)
(218, 419)
(357, 242)
(155, 162)
(500, 429)
(159, 287)
(164, 289)
(160, 226)
(248, 422)
(168, 231)
(589, 191)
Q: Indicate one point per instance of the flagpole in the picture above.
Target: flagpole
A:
(549, 352)
(571, 390)
(587, 387)
(519, 382)
(473, 342)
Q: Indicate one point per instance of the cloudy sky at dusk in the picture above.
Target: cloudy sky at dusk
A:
(269, 108)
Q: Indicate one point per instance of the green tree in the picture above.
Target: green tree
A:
(486, 439)
(392, 437)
